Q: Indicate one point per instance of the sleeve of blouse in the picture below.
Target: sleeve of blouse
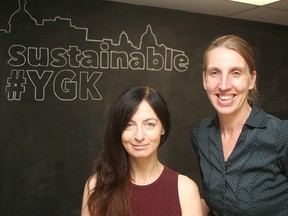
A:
(194, 141)
(283, 135)
(285, 162)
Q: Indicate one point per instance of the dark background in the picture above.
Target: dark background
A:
(47, 147)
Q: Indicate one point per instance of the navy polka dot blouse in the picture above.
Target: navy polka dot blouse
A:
(254, 179)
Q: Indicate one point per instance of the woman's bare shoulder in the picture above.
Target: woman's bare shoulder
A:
(187, 183)
(91, 182)
(88, 188)
(189, 196)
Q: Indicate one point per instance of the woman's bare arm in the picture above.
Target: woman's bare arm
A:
(205, 207)
(190, 199)
(90, 184)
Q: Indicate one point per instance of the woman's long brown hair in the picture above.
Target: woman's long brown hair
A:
(112, 193)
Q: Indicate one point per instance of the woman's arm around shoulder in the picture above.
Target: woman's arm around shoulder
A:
(89, 186)
(189, 197)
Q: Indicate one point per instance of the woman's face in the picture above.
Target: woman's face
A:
(141, 137)
(227, 80)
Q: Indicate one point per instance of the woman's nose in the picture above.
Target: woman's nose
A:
(139, 135)
(225, 82)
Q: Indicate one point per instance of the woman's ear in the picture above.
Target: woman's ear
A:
(253, 80)
(203, 80)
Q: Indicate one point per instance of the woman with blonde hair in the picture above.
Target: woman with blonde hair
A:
(242, 150)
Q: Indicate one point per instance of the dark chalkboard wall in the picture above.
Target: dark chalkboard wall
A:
(62, 63)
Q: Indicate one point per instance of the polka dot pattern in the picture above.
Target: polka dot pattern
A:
(254, 179)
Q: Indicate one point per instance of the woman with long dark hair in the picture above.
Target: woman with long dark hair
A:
(128, 178)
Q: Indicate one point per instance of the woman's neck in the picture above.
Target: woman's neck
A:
(145, 172)
(235, 121)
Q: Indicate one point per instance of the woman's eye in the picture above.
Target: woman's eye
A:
(130, 126)
(214, 73)
(149, 125)
(236, 73)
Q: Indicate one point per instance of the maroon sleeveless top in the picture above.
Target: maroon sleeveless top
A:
(159, 198)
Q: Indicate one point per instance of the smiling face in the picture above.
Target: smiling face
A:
(227, 80)
(141, 137)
